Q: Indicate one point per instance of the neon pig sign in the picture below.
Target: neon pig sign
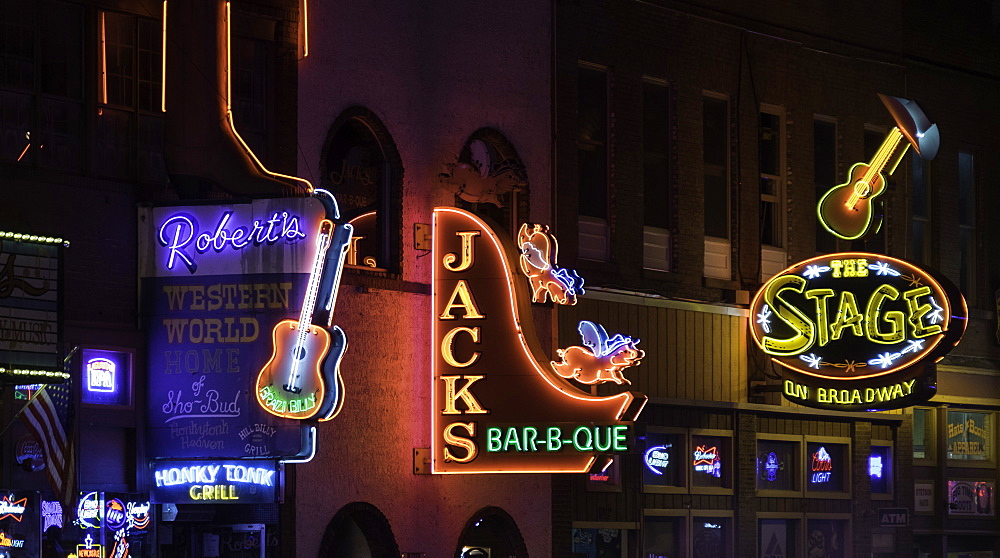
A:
(857, 331)
(497, 405)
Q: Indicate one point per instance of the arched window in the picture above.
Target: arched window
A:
(358, 530)
(361, 166)
(489, 179)
(491, 532)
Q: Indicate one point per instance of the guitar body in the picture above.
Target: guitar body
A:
(291, 384)
(334, 399)
(852, 210)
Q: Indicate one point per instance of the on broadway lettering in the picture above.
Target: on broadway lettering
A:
(855, 396)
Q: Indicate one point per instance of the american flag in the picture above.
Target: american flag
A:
(48, 416)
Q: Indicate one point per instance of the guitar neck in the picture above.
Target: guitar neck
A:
(340, 242)
(885, 154)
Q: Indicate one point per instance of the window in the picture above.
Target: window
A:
(592, 132)
(788, 534)
(711, 537)
(772, 177)
(824, 174)
(777, 537)
(711, 458)
(129, 141)
(598, 543)
(970, 436)
(967, 224)
(664, 536)
(920, 211)
(828, 537)
(873, 139)
(360, 166)
(923, 434)
(656, 174)
(489, 157)
(249, 90)
(664, 462)
(777, 466)
(41, 85)
(880, 468)
(827, 467)
(715, 138)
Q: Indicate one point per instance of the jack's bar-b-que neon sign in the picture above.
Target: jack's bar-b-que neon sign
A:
(497, 405)
(857, 331)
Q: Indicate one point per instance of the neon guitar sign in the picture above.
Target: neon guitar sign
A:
(306, 357)
(853, 210)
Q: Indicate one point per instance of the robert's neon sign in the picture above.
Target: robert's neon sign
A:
(852, 329)
(179, 233)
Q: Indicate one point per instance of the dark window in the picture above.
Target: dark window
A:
(129, 133)
(777, 463)
(592, 127)
(824, 175)
(41, 84)
(664, 460)
(656, 154)
(877, 242)
(772, 187)
(715, 135)
(967, 224)
(920, 211)
(249, 104)
(777, 537)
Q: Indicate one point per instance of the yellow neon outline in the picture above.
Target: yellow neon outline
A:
(163, 62)
(883, 156)
(229, 110)
(563, 386)
(946, 309)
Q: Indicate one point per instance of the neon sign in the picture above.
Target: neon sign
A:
(101, 375)
(88, 511)
(206, 482)
(771, 467)
(180, 230)
(7, 542)
(89, 549)
(601, 360)
(114, 514)
(821, 466)
(539, 252)
(657, 458)
(52, 514)
(854, 330)
(853, 210)
(875, 466)
(12, 508)
(497, 403)
(706, 460)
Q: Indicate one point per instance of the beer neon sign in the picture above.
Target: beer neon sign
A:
(875, 466)
(856, 331)
(706, 460)
(101, 375)
(821, 466)
(88, 511)
(12, 508)
(657, 458)
(496, 407)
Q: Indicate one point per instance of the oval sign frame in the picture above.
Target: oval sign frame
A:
(849, 316)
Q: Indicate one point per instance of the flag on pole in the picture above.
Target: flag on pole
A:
(48, 416)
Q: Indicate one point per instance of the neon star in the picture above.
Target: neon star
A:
(812, 360)
(814, 271)
(764, 319)
(935, 316)
(882, 268)
(884, 360)
(914, 346)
